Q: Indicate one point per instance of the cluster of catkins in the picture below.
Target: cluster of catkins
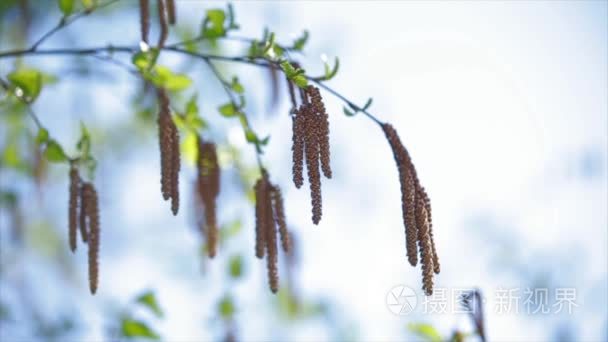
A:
(310, 126)
(84, 213)
(166, 13)
(207, 190)
(270, 214)
(416, 207)
(168, 138)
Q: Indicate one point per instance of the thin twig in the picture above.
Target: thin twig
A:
(65, 21)
(206, 57)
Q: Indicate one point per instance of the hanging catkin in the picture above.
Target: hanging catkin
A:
(168, 138)
(171, 12)
(311, 151)
(427, 207)
(311, 143)
(261, 217)
(416, 209)
(175, 167)
(73, 207)
(424, 244)
(162, 20)
(269, 213)
(407, 178)
(321, 128)
(144, 19)
(279, 217)
(92, 213)
(297, 148)
(271, 243)
(208, 190)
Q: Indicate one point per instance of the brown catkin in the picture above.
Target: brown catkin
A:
(279, 217)
(427, 207)
(144, 19)
(271, 240)
(311, 151)
(297, 148)
(169, 152)
(424, 243)
(175, 167)
(260, 217)
(84, 203)
(171, 12)
(73, 207)
(321, 128)
(166, 146)
(208, 189)
(408, 180)
(162, 19)
(94, 231)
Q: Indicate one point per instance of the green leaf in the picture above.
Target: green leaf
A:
(251, 136)
(42, 137)
(295, 75)
(29, 81)
(426, 331)
(189, 147)
(368, 103)
(226, 307)
(236, 266)
(331, 72)
(213, 25)
(54, 152)
(300, 81)
(134, 328)
(148, 300)
(298, 45)
(10, 155)
(144, 60)
(236, 86)
(84, 144)
(228, 110)
(232, 229)
(347, 112)
(232, 25)
(164, 77)
(66, 7)
(89, 4)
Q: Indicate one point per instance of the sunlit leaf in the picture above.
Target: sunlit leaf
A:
(43, 136)
(331, 72)
(189, 147)
(84, 144)
(236, 86)
(10, 155)
(235, 266)
(213, 24)
(148, 300)
(299, 44)
(164, 77)
(231, 230)
(66, 7)
(228, 110)
(226, 307)
(54, 152)
(28, 81)
(134, 328)
(144, 60)
(425, 331)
